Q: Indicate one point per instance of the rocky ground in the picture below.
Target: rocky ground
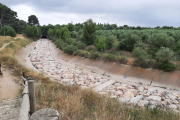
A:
(9, 109)
(42, 59)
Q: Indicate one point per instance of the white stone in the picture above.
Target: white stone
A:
(172, 106)
(142, 103)
(155, 98)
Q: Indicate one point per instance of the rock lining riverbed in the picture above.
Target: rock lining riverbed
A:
(42, 59)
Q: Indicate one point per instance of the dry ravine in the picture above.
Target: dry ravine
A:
(42, 59)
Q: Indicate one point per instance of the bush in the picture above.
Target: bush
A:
(65, 33)
(145, 64)
(83, 54)
(74, 43)
(109, 57)
(109, 42)
(8, 30)
(76, 52)
(69, 41)
(101, 45)
(165, 55)
(80, 45)
(123, 60)
(74, 34)
(60, 44)
(70, 49)
(139, 53)
(128, 43)
(94, 55)
(167, 67)
(91, 49)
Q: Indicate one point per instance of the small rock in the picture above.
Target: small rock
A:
(120, 87)
(136, 99)
(172, 106)
(118, 93)
(142, 103)
(155, 98)
(124, 99)
(164, 103)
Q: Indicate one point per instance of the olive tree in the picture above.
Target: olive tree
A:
(164, 55)
(139, 53)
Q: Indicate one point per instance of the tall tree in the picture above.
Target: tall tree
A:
(33, 20)
(65, 33)
(89, 31)
(7, 16)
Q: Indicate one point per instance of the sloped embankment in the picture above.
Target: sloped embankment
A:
(134, 74)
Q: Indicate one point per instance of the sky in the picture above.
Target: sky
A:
(145, 13)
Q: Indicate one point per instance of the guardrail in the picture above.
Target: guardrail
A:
(28, 106)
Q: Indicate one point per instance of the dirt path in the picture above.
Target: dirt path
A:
(4, 46)
(8, 87)
(19, 36)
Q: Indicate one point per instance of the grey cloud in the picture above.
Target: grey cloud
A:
(136, 12)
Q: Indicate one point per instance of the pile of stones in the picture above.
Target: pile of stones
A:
(143, 95)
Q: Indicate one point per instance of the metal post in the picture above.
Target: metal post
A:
(32, 98)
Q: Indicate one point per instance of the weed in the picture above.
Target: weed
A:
(140, 83)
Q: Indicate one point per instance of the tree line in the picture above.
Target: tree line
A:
(150, 47)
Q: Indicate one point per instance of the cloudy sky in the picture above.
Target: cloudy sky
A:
(146, 13)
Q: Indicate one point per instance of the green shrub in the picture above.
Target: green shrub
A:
(167, 67)
(69, 41)
(101, 45)
(109, 57)
(109, 42)
(76, 52)
(145, 64)
(94, 55)
(123, 60)
(128, 43)
(83, 54)
(8, 31)
(91, 49)
(74, 34)
(80, 45)
(70, 49)
(74, 43)
(65, 33)
(60, 44)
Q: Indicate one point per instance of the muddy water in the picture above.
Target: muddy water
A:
(118, 71)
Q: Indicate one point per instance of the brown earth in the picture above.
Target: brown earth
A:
(9, 87)
(20, 36)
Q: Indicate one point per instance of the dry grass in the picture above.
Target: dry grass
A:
(74, 103)
(4, 40)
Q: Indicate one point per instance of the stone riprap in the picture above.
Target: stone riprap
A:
(142, 95)
(42, 59)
